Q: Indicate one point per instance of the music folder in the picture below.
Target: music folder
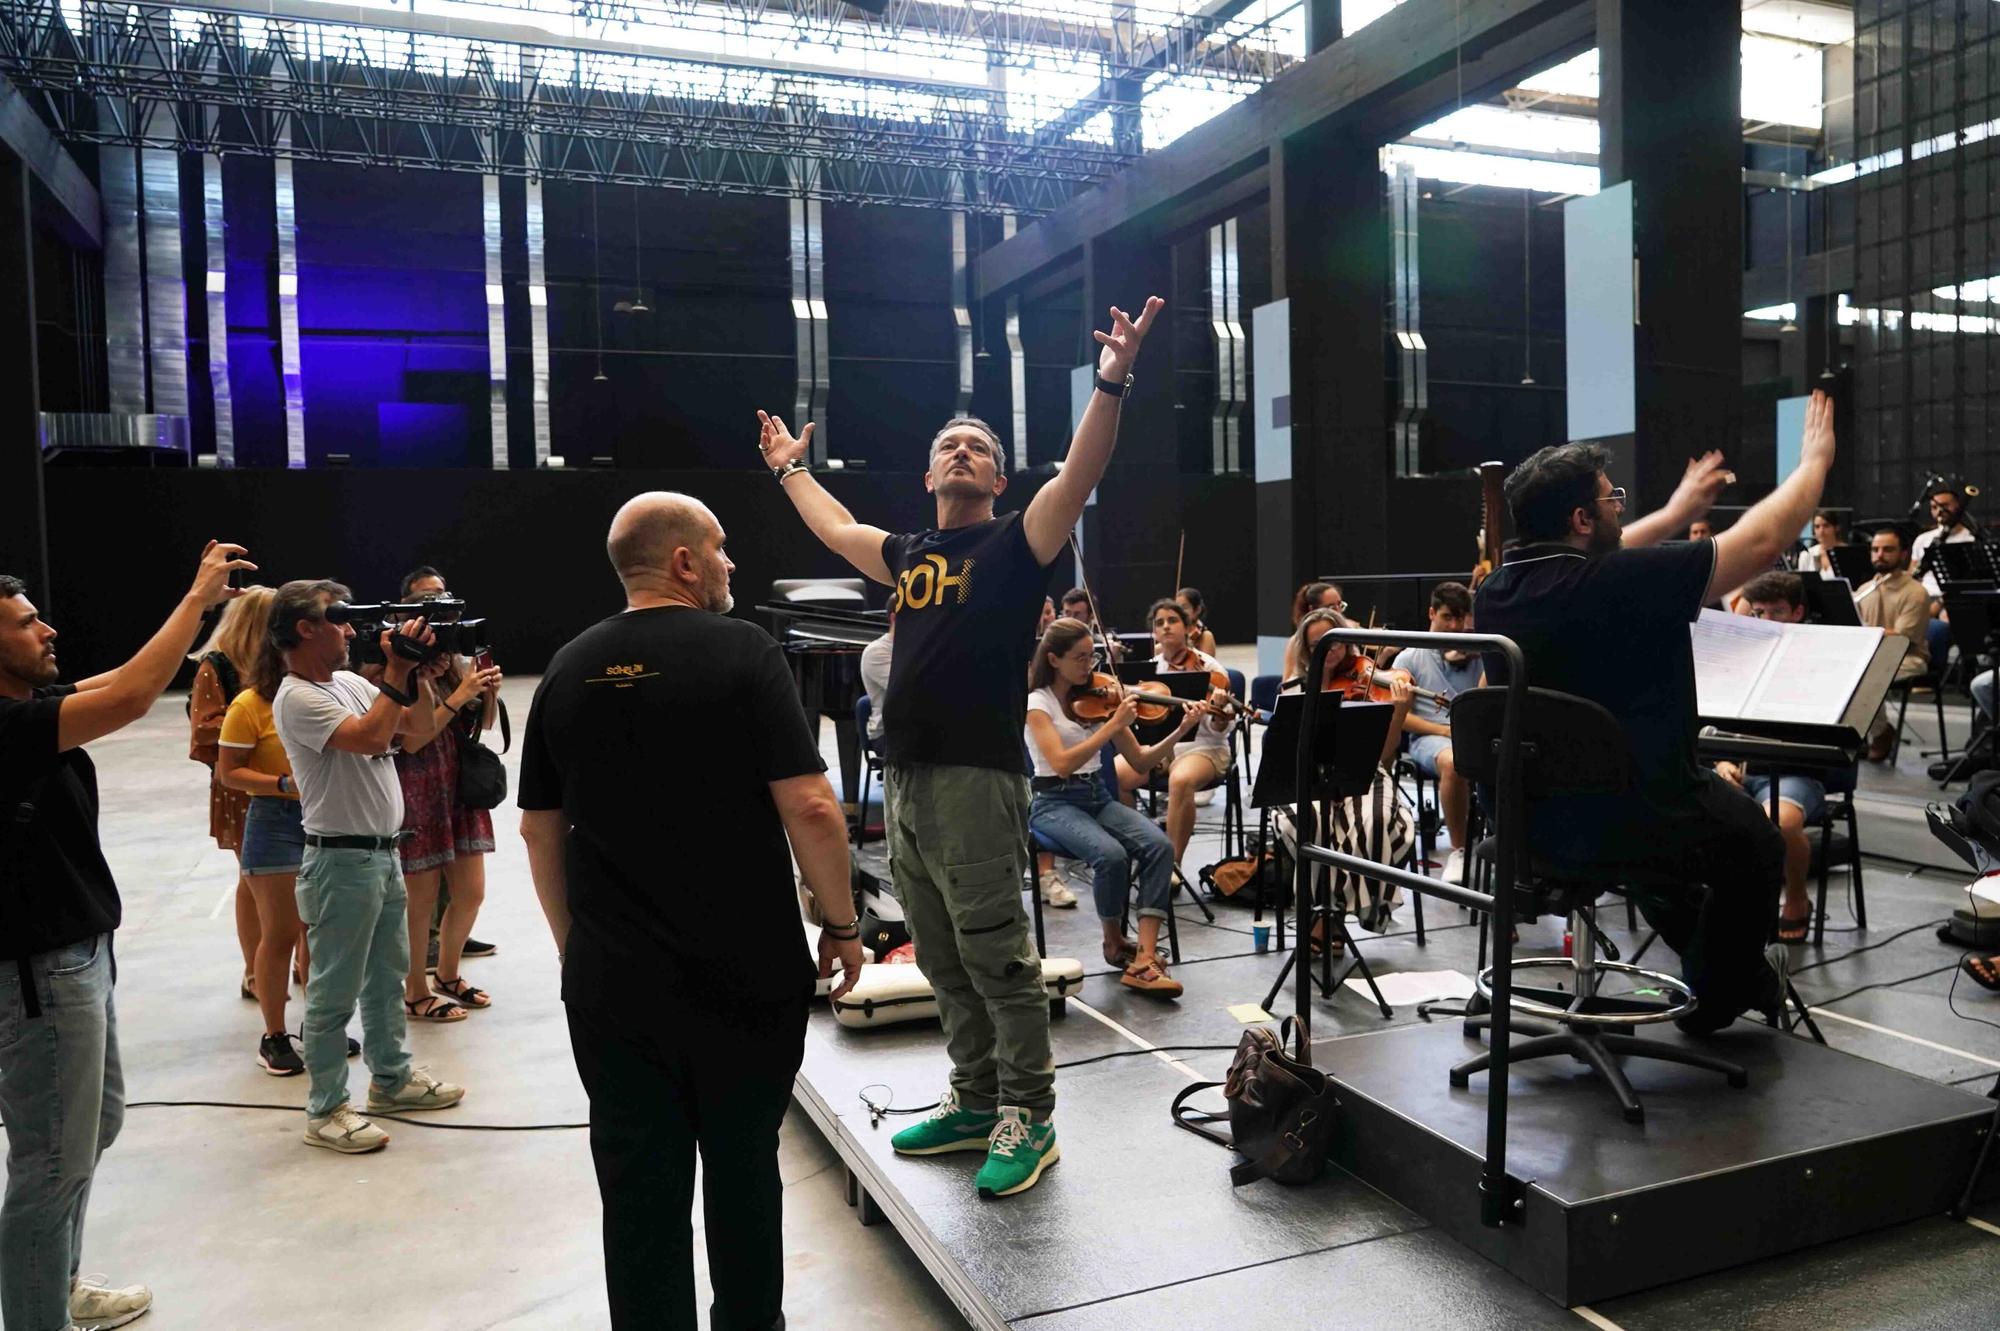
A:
(1813, 683)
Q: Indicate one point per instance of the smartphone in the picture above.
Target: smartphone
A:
(483, 661)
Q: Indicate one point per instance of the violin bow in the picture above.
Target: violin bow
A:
(1083, 581)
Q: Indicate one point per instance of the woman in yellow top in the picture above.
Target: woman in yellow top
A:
(223, 669)
(252, 759)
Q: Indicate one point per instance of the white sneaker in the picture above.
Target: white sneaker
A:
(345, 1131)
(1454, 867)
(421, 1091)
(1056, 893)
(94, 1306)
(1204, 798)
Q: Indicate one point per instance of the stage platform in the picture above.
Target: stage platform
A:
(1138, 1223)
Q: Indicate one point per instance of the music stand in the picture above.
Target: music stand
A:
(1346, 749)
(1851, 562)
(1830, 601)
(1972, 615)
(1962, 564)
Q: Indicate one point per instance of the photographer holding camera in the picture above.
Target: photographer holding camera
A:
(446, 842)
(62, 1089)
(338, 730)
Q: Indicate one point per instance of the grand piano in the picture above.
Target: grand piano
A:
(823, 639)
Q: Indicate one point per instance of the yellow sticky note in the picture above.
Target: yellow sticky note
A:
(1249, 1012)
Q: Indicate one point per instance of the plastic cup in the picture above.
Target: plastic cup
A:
(1260, 936)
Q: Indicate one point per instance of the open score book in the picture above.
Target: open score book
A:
(1758, 669)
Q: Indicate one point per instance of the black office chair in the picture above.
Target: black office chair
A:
(1570, 746)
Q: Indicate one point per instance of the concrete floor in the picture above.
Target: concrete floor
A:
(235, 1222)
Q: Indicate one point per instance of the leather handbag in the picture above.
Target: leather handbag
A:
(482, 777)
(1281, 1109)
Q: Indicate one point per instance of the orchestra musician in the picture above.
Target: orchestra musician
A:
(1204, 758)
(967, 592)
(1894, 602)
(1828, 532)
(1778, 596)
(1945, 496)
(1308, 598)
(1076, 605)
(1352, 823)
(1601, 610)
(1195, 610)
(1450, 673)
(1073, 810)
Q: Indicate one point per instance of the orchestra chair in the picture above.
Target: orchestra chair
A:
(871, 766)
(1264, 693)
(1430, 817)
(1036, 845)
(1835, 847)
(1235, 834)
(1570, 746)
(1934, 681)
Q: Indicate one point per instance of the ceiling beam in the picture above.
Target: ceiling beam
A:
(1399, 72)
(78, 213)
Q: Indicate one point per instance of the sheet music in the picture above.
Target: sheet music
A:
(1730, 654)
(1813, 672)
(1759, 669)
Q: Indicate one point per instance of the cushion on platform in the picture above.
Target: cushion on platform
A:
(891, 995)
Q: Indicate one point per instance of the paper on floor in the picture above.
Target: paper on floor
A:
(1403, 988)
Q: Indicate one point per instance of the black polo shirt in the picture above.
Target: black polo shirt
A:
(55, 888)
(1613, 629)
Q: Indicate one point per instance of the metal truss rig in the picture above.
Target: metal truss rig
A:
(203, 80)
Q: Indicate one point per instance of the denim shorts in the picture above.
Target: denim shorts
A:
(1803, 791)
(274, 836)
(1424, 751)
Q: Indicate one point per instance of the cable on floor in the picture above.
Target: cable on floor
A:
(880, 1108)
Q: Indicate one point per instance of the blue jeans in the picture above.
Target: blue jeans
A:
(1081, 821)
(62, 1095)
(356, 916)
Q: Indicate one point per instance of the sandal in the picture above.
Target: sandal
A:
(1793, 928)
(248, 988)
(462, 991)
(433, 1008)
(1983, 971)
(1150, 977)
(1126, 953)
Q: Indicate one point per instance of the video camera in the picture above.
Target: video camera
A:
(454, 633)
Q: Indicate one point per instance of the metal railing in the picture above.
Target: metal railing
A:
(1501, 1199)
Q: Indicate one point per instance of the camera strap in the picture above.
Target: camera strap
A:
(13, 835)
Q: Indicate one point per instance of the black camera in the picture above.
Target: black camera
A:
(454, 634)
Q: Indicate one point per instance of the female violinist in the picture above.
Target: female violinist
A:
(1073, 808)
(1312, 596)
(1205, 758)
(1195, 610)
(1353, 823)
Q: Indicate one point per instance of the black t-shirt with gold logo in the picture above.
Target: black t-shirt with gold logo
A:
(657, 733)
(967, 601)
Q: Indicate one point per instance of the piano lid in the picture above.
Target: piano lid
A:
(806, 625)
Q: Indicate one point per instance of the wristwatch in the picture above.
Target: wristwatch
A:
(1117, 390)
(281, 783)
(796, 464)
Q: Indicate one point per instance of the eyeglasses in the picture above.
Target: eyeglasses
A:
(1617, 496)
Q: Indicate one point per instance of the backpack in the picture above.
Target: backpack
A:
(1282, 1110)
(1262, 877)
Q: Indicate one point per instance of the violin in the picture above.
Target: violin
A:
(1098, 699)
(1355, 680)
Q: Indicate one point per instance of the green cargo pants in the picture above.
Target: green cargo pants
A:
(957, 851)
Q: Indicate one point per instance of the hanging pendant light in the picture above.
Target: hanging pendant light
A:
(639, 305)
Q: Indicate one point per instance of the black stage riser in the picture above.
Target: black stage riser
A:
(1595, 1248)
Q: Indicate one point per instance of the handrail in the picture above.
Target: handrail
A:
(1499, 1203)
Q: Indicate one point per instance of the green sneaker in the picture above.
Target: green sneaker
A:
(1021, 1150)
(946, 1128)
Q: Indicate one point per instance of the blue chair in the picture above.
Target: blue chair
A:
(871, 764)
(1264, 693)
